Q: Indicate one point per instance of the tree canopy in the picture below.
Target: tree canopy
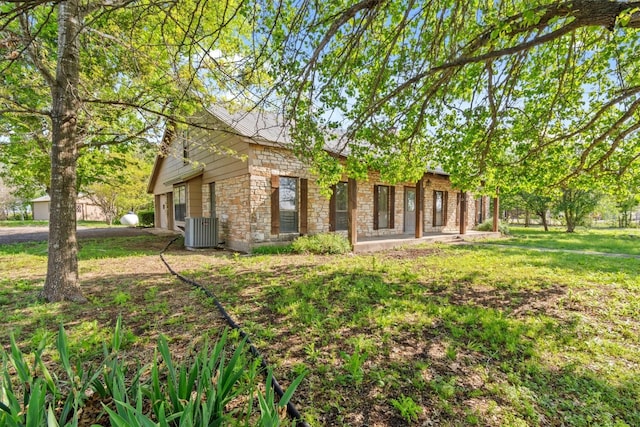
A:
(79, 76)
(498, 93)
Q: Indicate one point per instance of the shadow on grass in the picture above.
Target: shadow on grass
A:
(113, 247)
(466, 355)
(563, 261)
(149, 304)
(622, 241)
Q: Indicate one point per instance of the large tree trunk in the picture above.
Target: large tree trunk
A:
(545, 224)
(570, 218)
(62, 269)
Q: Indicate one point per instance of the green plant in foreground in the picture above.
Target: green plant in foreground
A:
(193, 393)
(353, 364)
(34, 384)
(409, 410)
(121, 298)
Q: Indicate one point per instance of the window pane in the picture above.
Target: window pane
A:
(342, 221)
(383, 206)
(288, 221)
(179, 203)
(342, 199)
(411, 200)
(288, 205)
(438, 208)
(288, 194)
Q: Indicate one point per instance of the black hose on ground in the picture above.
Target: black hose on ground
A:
(292, 411)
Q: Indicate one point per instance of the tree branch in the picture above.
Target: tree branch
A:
(32, 49)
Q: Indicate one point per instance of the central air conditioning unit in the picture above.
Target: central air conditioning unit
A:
(200, 233)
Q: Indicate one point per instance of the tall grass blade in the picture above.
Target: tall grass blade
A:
(63, 349)
(36, 408)
(51, 418)
(116, 341)
(17, 359)
(290, 390)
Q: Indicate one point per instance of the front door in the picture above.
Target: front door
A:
(164, 223)
(409, 210)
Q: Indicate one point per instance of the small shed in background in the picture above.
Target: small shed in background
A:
(86, 210)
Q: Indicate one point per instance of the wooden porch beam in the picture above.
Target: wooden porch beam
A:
(463, 213)
(419, 207)
(352, 227)
(496, 212)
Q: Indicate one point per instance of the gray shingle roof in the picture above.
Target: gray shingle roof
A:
(266, 126)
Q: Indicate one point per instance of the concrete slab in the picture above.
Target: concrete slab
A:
(375, 244)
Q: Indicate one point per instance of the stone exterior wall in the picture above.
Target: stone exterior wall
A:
(232, 202)
(265, 162)
(365, 207)
(435, 182)
(243, 204)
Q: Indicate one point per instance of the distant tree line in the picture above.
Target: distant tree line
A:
(571, 208)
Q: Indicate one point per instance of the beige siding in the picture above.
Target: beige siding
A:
(219, 155)
(41, 211)
(194, 197)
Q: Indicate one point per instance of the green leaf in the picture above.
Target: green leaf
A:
(290, 390)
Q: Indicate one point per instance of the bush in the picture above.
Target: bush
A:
(323, 243)
(197, 392)
(146, 218)
(488, 226)
(272, 250)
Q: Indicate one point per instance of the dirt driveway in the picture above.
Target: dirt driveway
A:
(10, 235)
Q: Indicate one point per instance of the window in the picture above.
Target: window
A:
(180, 202)
(341, 206)
(288, 202)
(439, 208)
(480, 210)
(383, 209)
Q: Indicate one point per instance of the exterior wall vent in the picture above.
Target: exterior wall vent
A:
(200, 232)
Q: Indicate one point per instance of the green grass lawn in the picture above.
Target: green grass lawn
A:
(32, 223)
(620, 241)
(449, 335)
(24, 223)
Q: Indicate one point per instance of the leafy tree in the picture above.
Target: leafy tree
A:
(87, 74)
(575, 206)
(540, 205)
(626, 208)
(537, 93)
(124, 190)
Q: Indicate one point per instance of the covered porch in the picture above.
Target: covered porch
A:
(374, 244)
(369, 244)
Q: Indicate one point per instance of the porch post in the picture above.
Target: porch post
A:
(352, 191)
(463, 213)
(496, 211)
(157, 208)
(419, 207)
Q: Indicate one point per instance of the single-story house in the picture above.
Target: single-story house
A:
(243, 175)
(86, 209)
